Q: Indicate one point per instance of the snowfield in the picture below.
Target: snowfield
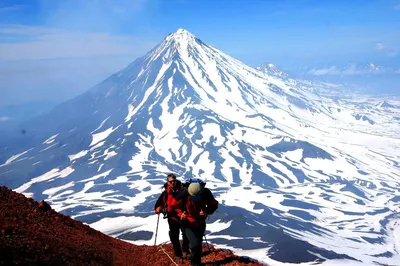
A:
(304, 172)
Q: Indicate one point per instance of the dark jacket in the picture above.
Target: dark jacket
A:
(186, 203)
(167, 200)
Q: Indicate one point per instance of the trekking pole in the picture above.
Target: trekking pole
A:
(205, 238)
(155, 239)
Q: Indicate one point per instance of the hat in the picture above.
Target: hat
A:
(194, 189)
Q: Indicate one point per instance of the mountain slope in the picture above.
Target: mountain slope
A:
(296, 171)
(15, 114)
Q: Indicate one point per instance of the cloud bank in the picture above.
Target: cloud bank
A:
(354, 70)
(46, 43)
(391, 51)
(4, 118)
(77, 45)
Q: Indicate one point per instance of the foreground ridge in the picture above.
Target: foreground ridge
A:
(33, 233)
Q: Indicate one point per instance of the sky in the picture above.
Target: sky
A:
(57, 49)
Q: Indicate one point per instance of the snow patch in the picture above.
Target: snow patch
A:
(96, 176)
(51, 191)
(101, 125)
(45, 177)
(96, 138)
(50, 140)
(14, 157)
(78, 155)
(119, 179)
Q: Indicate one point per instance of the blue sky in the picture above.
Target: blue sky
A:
(56, 49)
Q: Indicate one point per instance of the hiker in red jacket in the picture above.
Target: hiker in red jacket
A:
(193, 206)
(165, 204)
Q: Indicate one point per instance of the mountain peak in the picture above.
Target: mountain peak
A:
(182, 31)
(180, 35)
(272, 70)
(176, 42)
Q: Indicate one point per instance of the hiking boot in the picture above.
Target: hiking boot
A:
(187, 256)
(185, 251)
(178, 259)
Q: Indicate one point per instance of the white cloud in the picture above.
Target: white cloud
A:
(324, 71)
(397, 7)
(78, 44)
(4, 118)
(24, 30)
(45, 43)
(76, 28)
(353, 70)
(391, 51)
(11, 8)
(380, 46)
(55, 64)
(55, 79)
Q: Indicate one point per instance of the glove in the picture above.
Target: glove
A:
(203, 214)
(183, 216)
(158, 210)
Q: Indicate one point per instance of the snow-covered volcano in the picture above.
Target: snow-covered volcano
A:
(301, 175)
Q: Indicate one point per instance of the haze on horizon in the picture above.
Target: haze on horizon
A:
(55, 50)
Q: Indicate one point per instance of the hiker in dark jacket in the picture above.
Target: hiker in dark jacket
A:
(165, 204)
(193, 206)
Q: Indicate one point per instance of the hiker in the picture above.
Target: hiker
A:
(164, 205)
(193, 205)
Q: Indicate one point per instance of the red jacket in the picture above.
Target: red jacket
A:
(206, 203)
(168, 199)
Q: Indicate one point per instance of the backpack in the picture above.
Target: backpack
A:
(206, 194)
(187, 182)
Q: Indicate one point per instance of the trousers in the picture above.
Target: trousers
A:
(174, 231)
(195, 237)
